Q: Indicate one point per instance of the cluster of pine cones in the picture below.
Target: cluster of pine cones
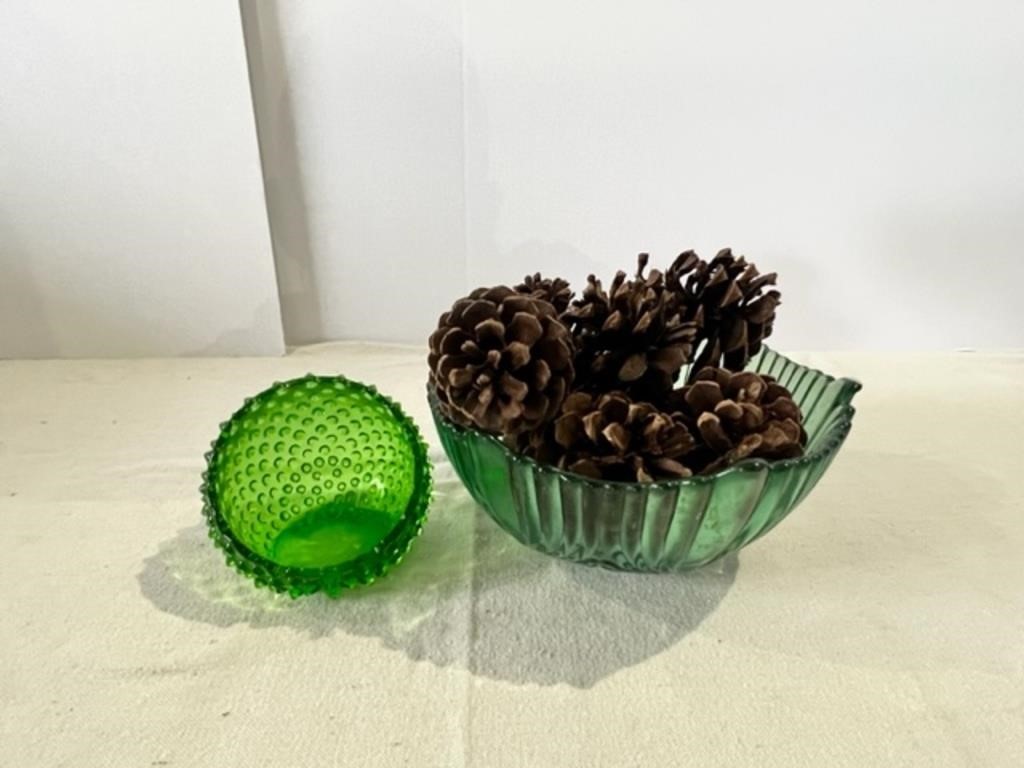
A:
(591, 384)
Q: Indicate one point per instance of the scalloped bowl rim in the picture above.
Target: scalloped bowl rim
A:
(836, 434)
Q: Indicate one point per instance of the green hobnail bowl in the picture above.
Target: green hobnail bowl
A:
(667, 526)
(319, 483)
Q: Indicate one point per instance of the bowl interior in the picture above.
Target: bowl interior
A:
(825, 401)
(316, 472)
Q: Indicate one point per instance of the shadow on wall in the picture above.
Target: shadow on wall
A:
(25, 329)
(488, 263)
(301, 313)
(948, 270)
(466, 595)
(238, 341)
(51, 316)
(808, 303)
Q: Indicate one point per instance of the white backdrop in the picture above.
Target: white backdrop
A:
(360, 112)
(132, 219)
(869, 152)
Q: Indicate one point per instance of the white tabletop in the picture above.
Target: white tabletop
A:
(881, 624)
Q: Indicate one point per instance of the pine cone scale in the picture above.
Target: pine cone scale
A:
(525, 328)
(567, 429)
(517, 354)
(593, 423)
(634, 367)
(541, 373)
(473, 312)
(555, 351)
(703, 395)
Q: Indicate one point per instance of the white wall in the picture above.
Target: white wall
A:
(132, 219)
(360, 112)
(870, 152)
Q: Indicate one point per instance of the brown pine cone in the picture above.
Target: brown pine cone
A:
(725, 299)
(610, 437)
(500, 361)
(738, 416)
(555, 291)
(631, 337)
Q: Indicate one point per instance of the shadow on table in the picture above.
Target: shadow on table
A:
(467, 594)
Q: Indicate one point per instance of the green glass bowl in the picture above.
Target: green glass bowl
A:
(318, 483)
(667, 526)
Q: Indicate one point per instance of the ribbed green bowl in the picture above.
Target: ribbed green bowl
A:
(668, 526)
(319, 483)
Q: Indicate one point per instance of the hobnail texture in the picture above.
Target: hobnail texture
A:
(318, 483)
(664, 526)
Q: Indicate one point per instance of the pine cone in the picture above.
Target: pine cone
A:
(555, 291)
(631, 337)
(724, 298)
(610, 437)
(738, 416)
(500, 361)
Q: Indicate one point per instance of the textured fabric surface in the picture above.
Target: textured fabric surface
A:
(881, 624)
